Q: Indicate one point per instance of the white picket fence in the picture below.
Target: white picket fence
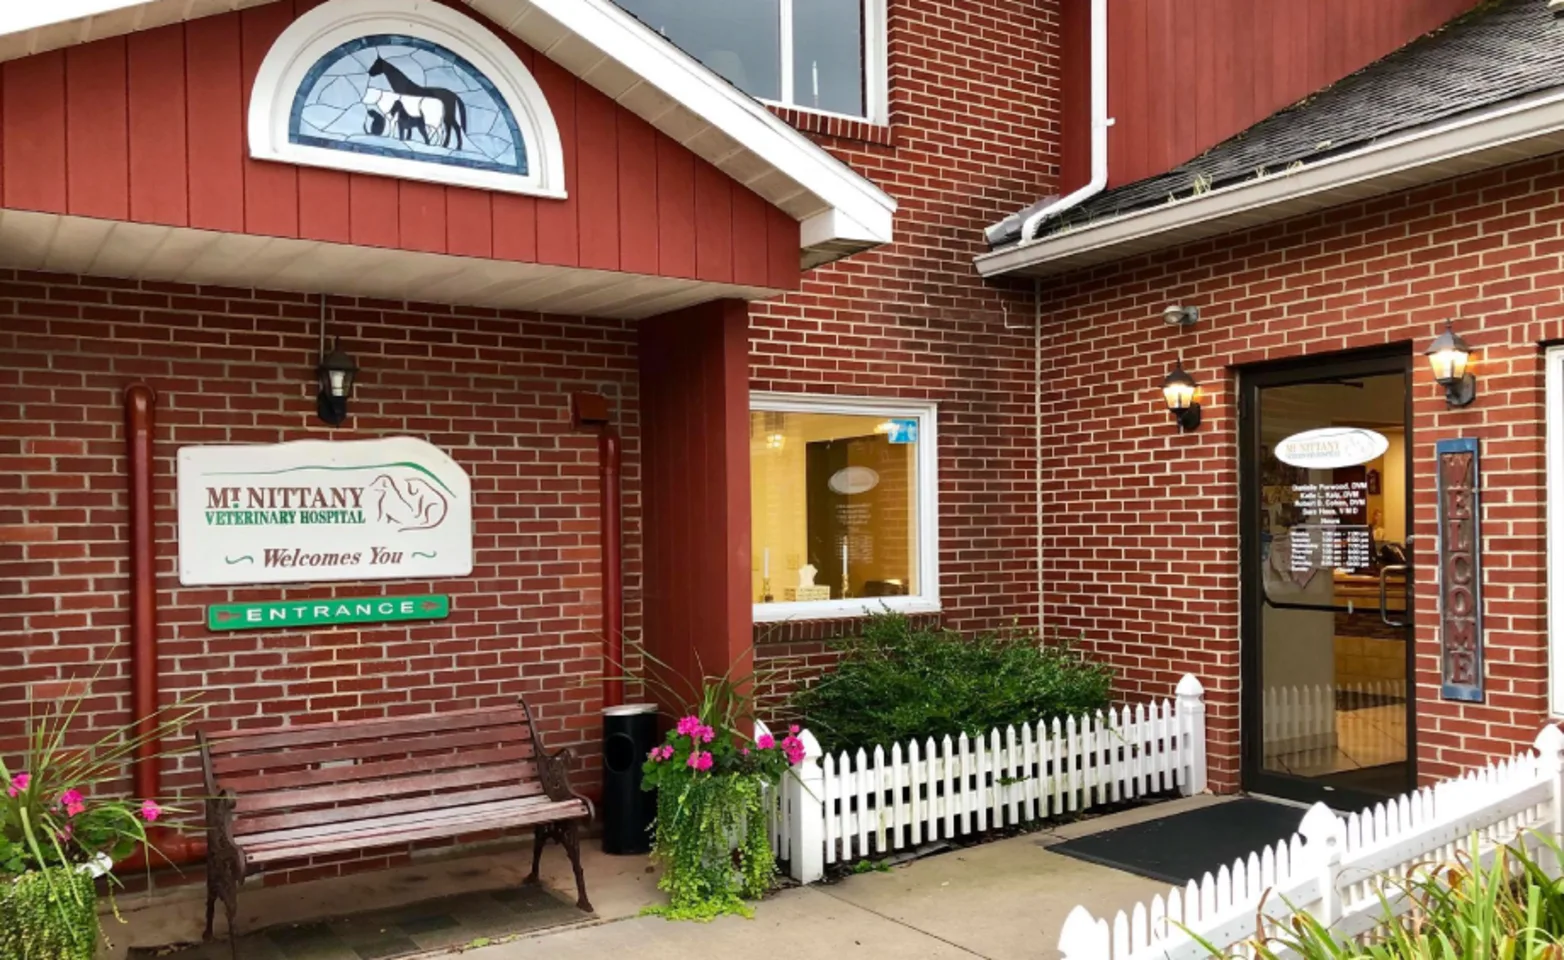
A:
(1336, 870)
(1300, 721)
(847, 806)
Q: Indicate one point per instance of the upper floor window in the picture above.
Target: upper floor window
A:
(825, 55)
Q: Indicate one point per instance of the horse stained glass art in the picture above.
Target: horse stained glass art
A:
(405, 97)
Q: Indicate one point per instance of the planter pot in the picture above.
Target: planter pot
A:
(49, 915)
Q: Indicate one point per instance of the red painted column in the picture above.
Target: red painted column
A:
(695, 489)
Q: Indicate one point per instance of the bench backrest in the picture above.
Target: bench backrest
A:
(352, 770)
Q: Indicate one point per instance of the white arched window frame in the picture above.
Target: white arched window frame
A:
(325, 28)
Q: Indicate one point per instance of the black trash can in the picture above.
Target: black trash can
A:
(629, 733)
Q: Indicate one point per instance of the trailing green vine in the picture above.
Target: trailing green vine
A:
(711, 839)
(49, 915)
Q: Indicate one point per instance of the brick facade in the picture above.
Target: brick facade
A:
(1141, 522)
(973, 136)
(230, 366)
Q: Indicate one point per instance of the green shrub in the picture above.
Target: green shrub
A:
(48, 915)
(899, 681)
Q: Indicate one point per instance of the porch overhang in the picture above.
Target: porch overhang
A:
(839, 211)
(1512, 132)
(56, 243)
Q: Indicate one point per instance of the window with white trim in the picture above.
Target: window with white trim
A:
(1554, 396)
(821, 55)
(843, 508)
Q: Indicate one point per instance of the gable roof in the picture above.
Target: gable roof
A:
(840, 212)
(1500, 54)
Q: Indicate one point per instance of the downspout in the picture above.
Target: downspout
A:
(1100, 125)
(172, 848)
(589, 411)
(1037, 407)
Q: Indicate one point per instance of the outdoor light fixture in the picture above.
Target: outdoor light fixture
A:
(1179, 389)
(1449, 355)
(1176, 316)
(336, 373)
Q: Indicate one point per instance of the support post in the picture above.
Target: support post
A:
(1084, 938)
(1550, 753)
(1192, 735)
(805, 786)
(1325, 841)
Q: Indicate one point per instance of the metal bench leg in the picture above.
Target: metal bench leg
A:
(539, 838)
(570, 836)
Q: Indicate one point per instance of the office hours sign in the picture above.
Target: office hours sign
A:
(312, 510)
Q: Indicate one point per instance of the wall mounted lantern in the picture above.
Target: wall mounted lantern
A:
(1179, 389)
(1449, 356)
(335, 372)
(1182, 317)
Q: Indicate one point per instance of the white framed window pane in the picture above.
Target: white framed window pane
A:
(738, 39)
(835, 506)
(828, 50)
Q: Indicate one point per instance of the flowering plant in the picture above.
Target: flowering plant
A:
(712, 781)
(62, 825)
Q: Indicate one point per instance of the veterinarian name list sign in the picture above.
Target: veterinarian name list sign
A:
(311, 510)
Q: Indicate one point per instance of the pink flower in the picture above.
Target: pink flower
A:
(688, 726)
(766, 741)
(744, 751)
(18, 784)
(66, 833)
(793, 748)
(705, 762)
(71, 800)
(667, 749)
(793, 729)
(705, 734)
(150, 811)
(699, 760)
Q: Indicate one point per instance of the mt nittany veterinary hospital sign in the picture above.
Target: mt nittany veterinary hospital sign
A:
(310, 510)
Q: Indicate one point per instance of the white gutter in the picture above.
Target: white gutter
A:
(1100, 125)
(1506, 134)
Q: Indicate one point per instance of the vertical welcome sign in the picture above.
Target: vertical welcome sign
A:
(389, 509)
(1460, 571)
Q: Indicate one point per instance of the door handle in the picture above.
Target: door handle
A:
(1384, 612)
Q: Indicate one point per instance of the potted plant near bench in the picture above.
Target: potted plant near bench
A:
(61, 830)
(712, 781)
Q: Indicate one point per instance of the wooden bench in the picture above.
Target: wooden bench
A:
(303, 791)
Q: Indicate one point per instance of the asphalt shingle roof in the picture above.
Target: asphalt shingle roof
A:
(1502, 50)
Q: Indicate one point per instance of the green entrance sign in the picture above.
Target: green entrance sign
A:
(320, 613)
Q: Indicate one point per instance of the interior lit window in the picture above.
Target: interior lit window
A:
(842, 506)
(825, 55)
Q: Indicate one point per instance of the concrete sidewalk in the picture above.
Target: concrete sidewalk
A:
(1004, 901)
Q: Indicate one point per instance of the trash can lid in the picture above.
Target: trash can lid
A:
(630, 709)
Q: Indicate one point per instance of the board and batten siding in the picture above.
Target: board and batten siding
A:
(150, 128)
(1185, 75)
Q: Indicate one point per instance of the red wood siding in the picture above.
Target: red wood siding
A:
(696, 610)
(1184, 75)
(79, 135)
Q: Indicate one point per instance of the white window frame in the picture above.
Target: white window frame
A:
(876, 65)
(1553, 467)
(927, 414)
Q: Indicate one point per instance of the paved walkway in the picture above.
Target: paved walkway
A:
(1002, 901)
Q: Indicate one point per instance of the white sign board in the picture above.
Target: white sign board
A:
(1329, 447)
(311, 510)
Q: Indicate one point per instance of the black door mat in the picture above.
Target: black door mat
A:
(1186, 846)
(466, 920)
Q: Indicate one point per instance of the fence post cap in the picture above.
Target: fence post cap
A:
(812, 749)
(1082, 936)
(1320, 826)
(1189, 686)
(1550, 741)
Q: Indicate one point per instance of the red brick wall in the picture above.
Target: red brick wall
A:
(974, 101)
(232, 366)
(1141, 521)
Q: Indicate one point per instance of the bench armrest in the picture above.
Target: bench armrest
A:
(554, 771)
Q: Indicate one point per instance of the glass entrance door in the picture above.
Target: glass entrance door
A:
(1327, 576)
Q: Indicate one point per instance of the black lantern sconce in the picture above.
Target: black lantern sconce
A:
(1449, 356)
(1179, 389)
(335, 373)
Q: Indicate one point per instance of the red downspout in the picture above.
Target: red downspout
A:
(171, 846)
(613, 577)
(589, 411)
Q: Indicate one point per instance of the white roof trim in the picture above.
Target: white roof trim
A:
(1515, 131)
(609, 49)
